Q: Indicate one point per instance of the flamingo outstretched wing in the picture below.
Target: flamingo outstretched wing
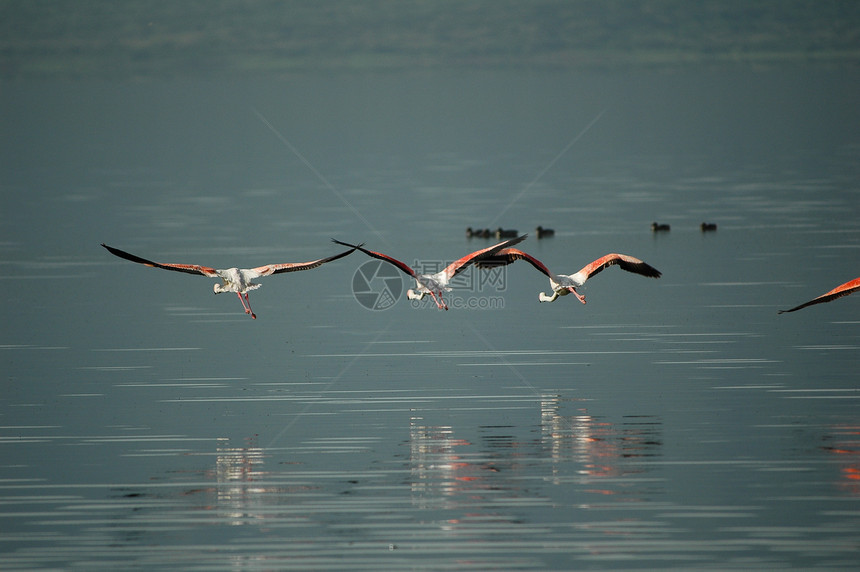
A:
(187, 268)
(511, 255)
(378, 255)
(479, 255)
(628, 263)
(842, 290)
(270, 269)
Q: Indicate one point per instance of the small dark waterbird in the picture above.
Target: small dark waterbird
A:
(477, 232)
(542, 232)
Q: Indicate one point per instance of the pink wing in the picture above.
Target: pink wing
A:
(838, 292)
(401, 265)
(459, 265)
(627, 263)
(187, 268)
(270, 269)
(509, 256)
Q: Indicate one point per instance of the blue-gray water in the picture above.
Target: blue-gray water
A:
(677, 422)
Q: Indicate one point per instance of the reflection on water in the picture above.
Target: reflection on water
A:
(238, 470)
(438, 471)
(598, 455)
(601, 448)
(844, 442)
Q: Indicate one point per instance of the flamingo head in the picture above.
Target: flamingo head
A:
(413, 295)
(218, 288)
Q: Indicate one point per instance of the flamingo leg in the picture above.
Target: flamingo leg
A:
(246, 304)
(242, 300)
(440, 303)
(579, 296)
(248, 301)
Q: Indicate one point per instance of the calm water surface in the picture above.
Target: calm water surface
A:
(668, 423)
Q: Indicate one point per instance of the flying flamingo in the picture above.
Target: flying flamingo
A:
(838, 292)
(435, 284)
(562, 284)
(236, 280)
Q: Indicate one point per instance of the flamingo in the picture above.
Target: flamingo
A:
(435, 284)
(562, 284)
(238, 280)
(841, 290)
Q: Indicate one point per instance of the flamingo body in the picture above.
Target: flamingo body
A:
(841, 290)
(564, 284)
(238, 280)
(436, 284)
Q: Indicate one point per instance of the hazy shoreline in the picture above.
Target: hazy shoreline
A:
(152, 39)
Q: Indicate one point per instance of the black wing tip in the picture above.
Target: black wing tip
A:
(796, 308)
(115, 251)
(643, 268)
(353, 247)
(519, 239)
(505, 244)
(340, 242)
(515, 240)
